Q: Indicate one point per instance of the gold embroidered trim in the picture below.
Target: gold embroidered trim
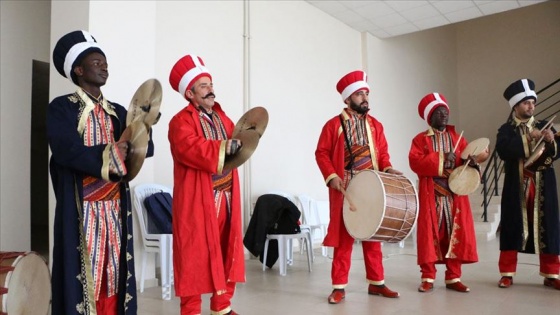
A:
(221, 157)
(371, 145)
(523, 199)
(537, 213)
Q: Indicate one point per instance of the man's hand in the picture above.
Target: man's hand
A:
(393, 171)
(336, 183)
(548, 136)
(233, 146)
(450, 156)
(123, 147)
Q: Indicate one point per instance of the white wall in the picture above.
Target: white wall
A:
(401, 71)
(295, 66)
(24, 37)
(494, 51)
(297, 54)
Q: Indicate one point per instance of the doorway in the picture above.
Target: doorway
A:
(39, 159)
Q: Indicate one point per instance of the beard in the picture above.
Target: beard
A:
(361, 108)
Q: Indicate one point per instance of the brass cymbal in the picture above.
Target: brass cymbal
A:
(249, 141)
(254, 119)
(137, 136)
(145, 103)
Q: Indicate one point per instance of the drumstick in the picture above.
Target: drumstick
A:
(457, 144)
(548, 125)
(466, 164)
(352, 207)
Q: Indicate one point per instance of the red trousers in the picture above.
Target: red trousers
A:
(452, 271)
(106, 305)
(373, 259)
(219, 303)
(453, 266)
(549, 264)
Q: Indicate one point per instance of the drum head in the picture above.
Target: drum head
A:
(29, 289)
(464, 182)
(537, 152)
(475, 148)
(368, 196)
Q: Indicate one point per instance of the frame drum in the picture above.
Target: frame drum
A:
(25, 284)
(385, 207)
(478, 148)
(464, 180)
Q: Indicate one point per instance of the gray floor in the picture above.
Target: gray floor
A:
(304, 292)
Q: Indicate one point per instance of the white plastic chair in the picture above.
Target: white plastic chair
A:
(161, 244)
(285, 241)
(285, 246)
(312, 218)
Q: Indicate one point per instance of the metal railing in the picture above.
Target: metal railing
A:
(494, 167)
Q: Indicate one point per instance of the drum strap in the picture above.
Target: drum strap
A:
(347, 141)
(441, 185)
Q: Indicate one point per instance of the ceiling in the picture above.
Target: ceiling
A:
(385, 19)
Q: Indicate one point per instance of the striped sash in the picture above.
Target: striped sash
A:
(214, 129)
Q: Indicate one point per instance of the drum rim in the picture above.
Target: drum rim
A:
(6, 298)
(346, 208)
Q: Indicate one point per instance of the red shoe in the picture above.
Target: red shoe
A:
(336, 296)
(382, 290)
(552, 282)
(426, 286)
(458, 286)
(506, 282)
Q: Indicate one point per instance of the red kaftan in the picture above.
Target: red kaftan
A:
(427, 163)
(198, 263)
(330, 158)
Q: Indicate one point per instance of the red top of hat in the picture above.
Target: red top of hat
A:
(186, 71)
(352, 82)
(429, 103)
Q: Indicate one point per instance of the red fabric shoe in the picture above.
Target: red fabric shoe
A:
(382, 290)
(426, 286)
(506, 282)
(336, 296)
(551, 282)
(458, 286)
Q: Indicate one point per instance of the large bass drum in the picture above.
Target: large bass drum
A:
(384, 207)
(25, 284)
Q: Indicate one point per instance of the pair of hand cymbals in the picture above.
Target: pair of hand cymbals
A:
(145, 104)
(254, 119)
(137, 136)
(249, 141)
(249, 129)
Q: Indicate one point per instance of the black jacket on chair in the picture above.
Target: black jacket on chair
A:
(273, 214)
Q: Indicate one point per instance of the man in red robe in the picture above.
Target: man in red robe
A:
(349, 143)
(207, 238)
(445, 229)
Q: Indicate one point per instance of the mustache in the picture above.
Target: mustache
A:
(209, 95)
(364, 103)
